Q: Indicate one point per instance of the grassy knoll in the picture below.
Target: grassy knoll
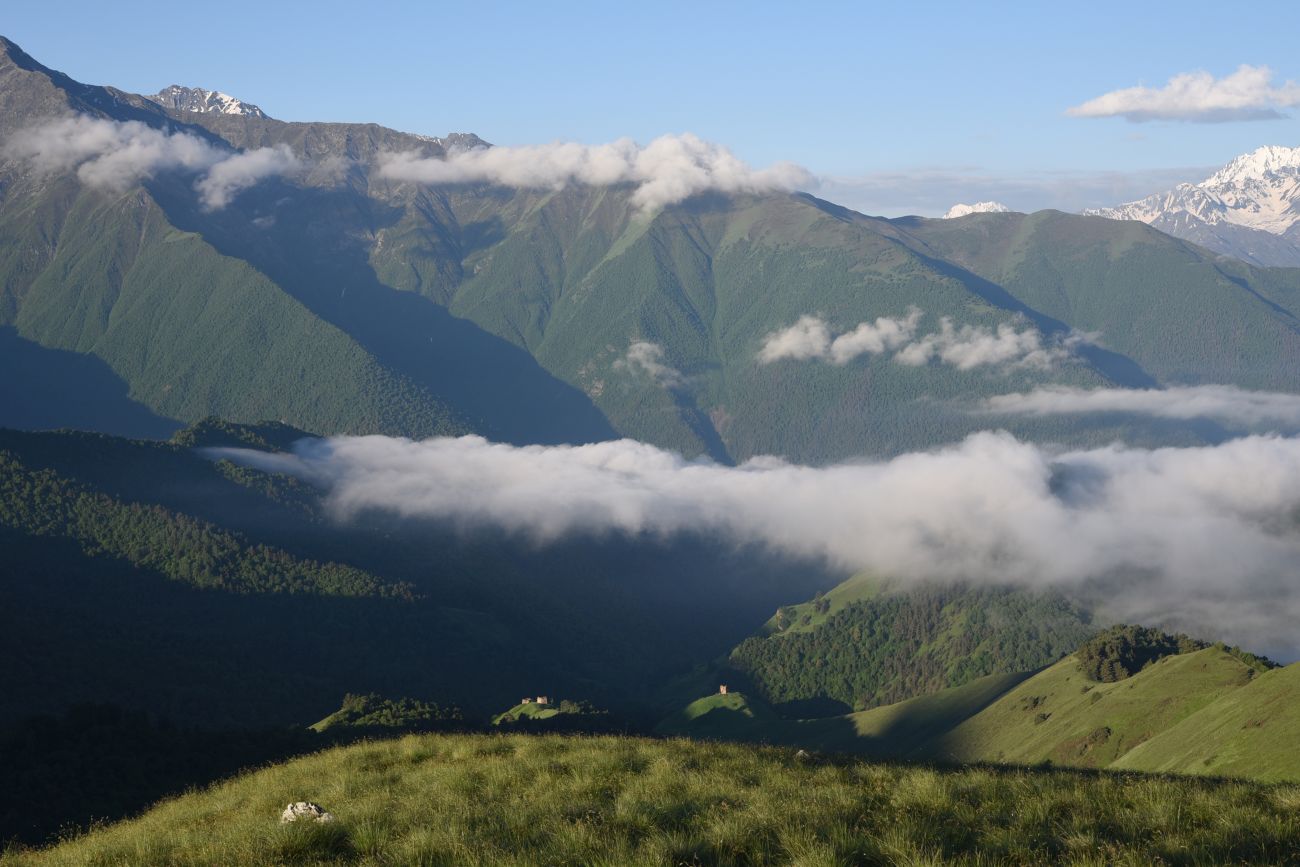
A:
(724, 716)
(532, 711)
(462, 799)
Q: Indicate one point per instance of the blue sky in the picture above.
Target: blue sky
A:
(903, 107)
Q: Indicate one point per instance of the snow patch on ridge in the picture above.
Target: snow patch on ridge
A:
(962, 210)
(201, 101)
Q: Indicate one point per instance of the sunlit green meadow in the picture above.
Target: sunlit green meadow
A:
(525, 800)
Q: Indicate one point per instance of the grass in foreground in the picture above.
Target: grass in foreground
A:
(516, 800)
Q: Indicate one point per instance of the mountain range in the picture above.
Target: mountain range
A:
(196, 299)
(1249, 209)
(337, 298)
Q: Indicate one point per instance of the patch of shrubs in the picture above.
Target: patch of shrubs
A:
(1122, 651)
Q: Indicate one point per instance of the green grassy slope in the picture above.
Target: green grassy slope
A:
(1249, 732)
(530, 800)
(807, 616)
(1060, 716)
(733, 715)
(374, 713)
(1207, 712)
(902, 730)
(910, 728)
(194, 333)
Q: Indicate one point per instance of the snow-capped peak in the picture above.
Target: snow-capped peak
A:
(1259, 190)
(977, 208)
(1256, 165)
(197, 99)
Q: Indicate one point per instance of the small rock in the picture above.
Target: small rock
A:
(306, 810)
(802, 756)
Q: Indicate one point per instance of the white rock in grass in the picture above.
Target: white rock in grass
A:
(306, 810)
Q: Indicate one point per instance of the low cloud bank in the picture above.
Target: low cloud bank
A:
(965, 348)
(116, 155)
(1225, 403)
(1204, 536)
(1247, 94)
(668, 170)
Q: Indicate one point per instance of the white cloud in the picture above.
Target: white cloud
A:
(1205, 535)
(108, 153)
(1223, 403)
(972, 346)
(810, 338)
(874, 338)
(238, 172)
(1247, 94)
(965, 348)
(668, 170)
(648, 358)
(117, 155)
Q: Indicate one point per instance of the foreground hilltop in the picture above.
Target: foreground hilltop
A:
(441, 799)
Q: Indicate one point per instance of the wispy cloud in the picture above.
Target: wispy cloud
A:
(965, 347)
(1224, 403)
(1204, 534)
(234, 174)
(117, 155)
(971, 346)
(1247, 94)
(666, 171)
(810, 339)
(647, 358)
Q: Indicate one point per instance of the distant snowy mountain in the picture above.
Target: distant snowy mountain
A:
(977, 208)
(204, 101)
(1249, 209)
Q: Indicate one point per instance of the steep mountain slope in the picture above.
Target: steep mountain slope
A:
(191, 331)
(1172, 312)
(339, 299)
(1249, 209)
